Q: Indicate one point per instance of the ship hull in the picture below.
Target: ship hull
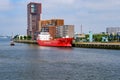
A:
(60, 42)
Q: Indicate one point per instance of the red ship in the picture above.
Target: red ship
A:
(44, 39)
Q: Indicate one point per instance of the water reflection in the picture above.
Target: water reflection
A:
(64, 49)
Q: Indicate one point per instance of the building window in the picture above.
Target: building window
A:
(32, 5)
(33, 8)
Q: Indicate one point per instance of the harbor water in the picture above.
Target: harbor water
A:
(33, 62)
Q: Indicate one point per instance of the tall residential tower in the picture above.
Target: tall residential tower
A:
(33, 18)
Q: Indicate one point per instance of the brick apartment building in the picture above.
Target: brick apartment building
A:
(35, 25)
(33, 18)
(50, 25)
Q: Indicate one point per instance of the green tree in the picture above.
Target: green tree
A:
(25, 37)
(21, 38)
(87, 37)
(16, 37)
(98, 37)
(29, 37)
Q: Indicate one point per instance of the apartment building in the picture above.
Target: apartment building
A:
(33, 18)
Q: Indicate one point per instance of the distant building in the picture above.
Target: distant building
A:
(51, 30)
(52, 22)
(33, 18)
(113, 30)
(65, 30)
(80, 38)
(118, 33)
(50, 26)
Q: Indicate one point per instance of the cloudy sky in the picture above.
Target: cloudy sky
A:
(94, 15)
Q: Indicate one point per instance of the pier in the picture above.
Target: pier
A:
(97, 45)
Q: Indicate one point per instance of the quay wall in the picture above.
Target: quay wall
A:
(82, 44)
(26, 41)
(97, 45)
